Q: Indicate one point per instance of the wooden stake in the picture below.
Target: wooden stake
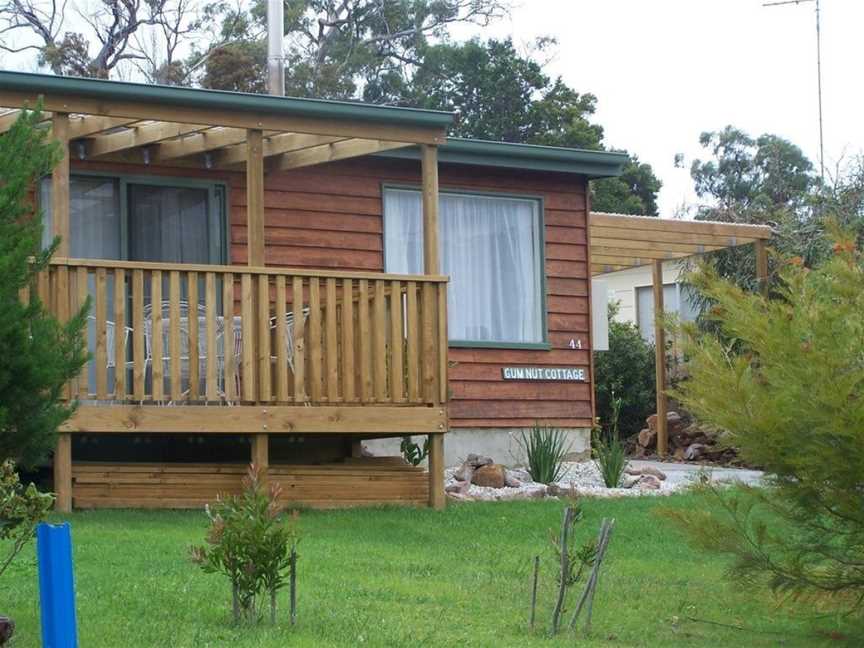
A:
(660, 359)
(292, 585)
(566, 524)
(534, 591)
(761, 267)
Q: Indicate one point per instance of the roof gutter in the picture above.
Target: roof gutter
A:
(101, 89)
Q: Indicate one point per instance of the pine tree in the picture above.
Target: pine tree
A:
(37, 353)
(785, 379)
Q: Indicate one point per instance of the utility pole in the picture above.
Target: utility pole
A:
(818, 73)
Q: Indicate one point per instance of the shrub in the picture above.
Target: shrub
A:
(545, 448)
(609, 452)
(251, 545)
(626, 369)
(784, 379)
(21, 509)
(39, 355)
(412, 452)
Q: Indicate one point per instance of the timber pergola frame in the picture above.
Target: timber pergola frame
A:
(112, 121)
(618, 242)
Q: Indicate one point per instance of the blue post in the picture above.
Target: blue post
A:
(56, 586)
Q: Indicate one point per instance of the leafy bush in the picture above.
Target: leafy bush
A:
(626, 369)
(39, 354)
(788, 392)
(249, 543)
(21, 509)
(609, 452)
(545, 448)
(412, 452)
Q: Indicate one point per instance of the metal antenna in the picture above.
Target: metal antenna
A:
(818, 73)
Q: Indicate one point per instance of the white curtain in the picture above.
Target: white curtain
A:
(94, 217)
(489, 247)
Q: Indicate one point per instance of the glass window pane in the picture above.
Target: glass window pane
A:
(168, 224)
(490, 247)
(94, 217)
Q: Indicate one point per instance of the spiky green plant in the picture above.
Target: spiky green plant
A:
(609, 453)
(545, 448)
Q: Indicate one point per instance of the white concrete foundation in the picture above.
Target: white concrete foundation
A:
(499, 443)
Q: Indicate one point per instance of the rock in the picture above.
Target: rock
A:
(476, 460)
(511, 480)
(464, 473)
(629, 481)
(679, 454)
(459, 487)
(520, 474)
(648, 482)
(694, 451)
(647, 470)
(490, 476)
(648, 437)
(552, 490)
(459, 497)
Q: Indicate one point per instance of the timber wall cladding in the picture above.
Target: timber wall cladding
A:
(330, 216)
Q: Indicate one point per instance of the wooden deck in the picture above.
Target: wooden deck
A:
(364, 482)
(216, 350)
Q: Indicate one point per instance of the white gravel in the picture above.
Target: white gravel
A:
(583, 478)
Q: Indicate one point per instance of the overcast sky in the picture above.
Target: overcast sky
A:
(666, 70)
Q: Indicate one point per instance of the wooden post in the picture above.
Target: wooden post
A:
(761, 267)
(63, 473)
(261, 453)
(436, 471)
(660, 359)
(430, 209)
(255, 197)
(60, 184)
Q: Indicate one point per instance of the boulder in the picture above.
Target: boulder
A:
(629, 481)
(511, 480)
(464, 473)
(647, 470)
(648, 482)
(476, 460)
(490, 476)
(694, 451)
(648, 437)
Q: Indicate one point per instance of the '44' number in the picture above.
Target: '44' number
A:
(575, 344)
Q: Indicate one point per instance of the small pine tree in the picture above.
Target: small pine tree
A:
(784, 378)
(37, 353)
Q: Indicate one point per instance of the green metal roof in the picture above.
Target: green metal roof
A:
(222, 100)
(457, 150)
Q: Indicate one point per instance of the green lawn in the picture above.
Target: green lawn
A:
(393, 577)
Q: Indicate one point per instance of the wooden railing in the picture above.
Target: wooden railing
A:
(199, 333)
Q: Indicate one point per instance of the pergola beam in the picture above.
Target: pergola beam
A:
(208, 140)
(87, 125)
(273, 145)
(636, 247)
(139, 135)
(334, 151)
(653, 224)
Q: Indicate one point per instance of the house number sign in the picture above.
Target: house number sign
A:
(554, 374)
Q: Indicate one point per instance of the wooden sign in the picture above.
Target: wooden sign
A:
(547, 374)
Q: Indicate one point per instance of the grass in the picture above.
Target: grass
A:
(400, 577)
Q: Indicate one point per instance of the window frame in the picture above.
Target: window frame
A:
(544, 344)
(219, 214)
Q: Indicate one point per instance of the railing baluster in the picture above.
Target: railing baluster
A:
(157, 366)
(348, 377)
(193, 335)
(101, 335)
(119, 349)
(83, 290)
(443, 346)
(246, 303)
(365, 342)
(139, 371)
(299, 350)
(397, 378)
(211, 392)
(315, 376)
(281, 340)
(430, 358)
(380, 335)
(61, 288)
(412, 342)
(228, 344)
(332, 346)
(264, 379)
(174, 335)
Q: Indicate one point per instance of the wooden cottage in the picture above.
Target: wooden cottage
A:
(268, 280)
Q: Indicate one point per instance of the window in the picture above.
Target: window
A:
(677, 300)
(491, 246)
(173, 221)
